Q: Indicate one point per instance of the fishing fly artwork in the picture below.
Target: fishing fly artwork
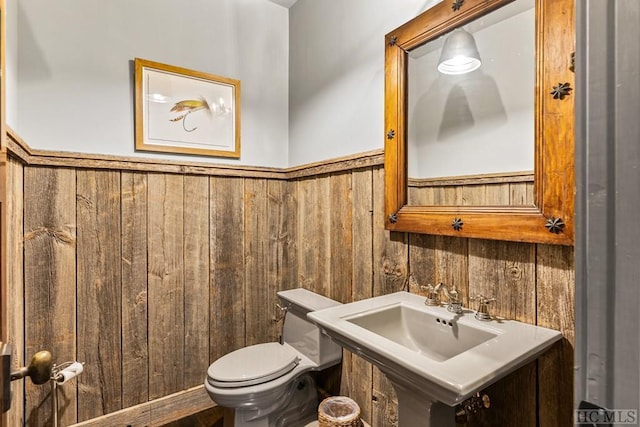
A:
(189, 106)
(185, 111)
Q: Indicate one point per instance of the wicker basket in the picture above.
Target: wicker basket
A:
(339, 411)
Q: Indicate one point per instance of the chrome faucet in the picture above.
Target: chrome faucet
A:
(483, 307)
(433, 293)
(454, 305)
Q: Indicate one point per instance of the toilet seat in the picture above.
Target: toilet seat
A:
(253, 365)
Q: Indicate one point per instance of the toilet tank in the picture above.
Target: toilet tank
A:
(304, 335)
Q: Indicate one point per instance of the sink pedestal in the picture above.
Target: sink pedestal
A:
(419, 410)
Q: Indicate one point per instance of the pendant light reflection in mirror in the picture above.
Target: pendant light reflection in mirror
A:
(459, 53)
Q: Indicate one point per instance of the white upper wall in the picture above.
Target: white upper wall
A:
(336, 87)
(75, 74)
(11, 61)
(317, 97)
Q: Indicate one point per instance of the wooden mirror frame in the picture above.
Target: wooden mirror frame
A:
(551, 218)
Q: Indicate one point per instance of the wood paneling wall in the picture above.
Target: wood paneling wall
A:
(515, 189)
(148, 277)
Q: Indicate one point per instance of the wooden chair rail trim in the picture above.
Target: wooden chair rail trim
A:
(29, 156)
(157, 412)
(492, 178)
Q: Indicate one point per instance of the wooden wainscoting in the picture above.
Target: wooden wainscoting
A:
(149, 276)
(511, 188)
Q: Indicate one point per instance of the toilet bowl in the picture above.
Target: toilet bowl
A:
(269, 385)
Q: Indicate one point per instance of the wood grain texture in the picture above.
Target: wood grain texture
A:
(513, 401)
(196, 279)
(135, 350)
(15, 281)
(505, 271)
(390, 274)
(213, 417)
(50, 282)
(439, 259)
(260, 298)
(159, 412)
(281, 254)
(341, 242)
(341, 237)
(313, 229)
(299, 233)
(556, 310)
(227, 289)
(166, 284)
(505, 189)
(360, 372)
(99, 295)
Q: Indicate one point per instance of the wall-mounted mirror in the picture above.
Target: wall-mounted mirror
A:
(479, 121)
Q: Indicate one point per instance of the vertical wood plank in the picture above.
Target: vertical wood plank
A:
(281, 251)
(360, 378)
(227, 303)
(390, 267)
(166, 284)
(313, 229)
(513, 401)
(50, 282)
(135, 351)
(506, 271)
(439, 259)
(260, 299)
(497, 194)
(99, 292)
(342, 253)
(307, 226)
(520, 193)
(556, 310)
(452, 264)
(473, 195)
(341, 237)
(15, 281)
(422, 261)
(196, 279)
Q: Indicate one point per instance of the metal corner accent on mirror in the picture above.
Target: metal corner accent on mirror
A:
(393, 218)
(391, 134)
(562, 90)
(555, 225)
(393, 40)
(457, 224)
(457, 4)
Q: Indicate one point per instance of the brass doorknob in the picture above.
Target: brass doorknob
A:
(39, 369)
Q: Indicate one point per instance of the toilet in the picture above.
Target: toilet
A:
(269, 385)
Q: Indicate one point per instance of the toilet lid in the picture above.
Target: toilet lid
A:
(252, 365)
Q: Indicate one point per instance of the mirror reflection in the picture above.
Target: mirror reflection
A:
(471, 112)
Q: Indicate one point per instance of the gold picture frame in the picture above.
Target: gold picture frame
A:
(184, 111)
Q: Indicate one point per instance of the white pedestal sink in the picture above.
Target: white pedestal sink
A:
(434, 359)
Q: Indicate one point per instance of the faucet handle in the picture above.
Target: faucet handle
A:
(483, 306)
(433, 296)
(455, 305)
(452, 294)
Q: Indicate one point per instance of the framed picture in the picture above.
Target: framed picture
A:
(185, 111)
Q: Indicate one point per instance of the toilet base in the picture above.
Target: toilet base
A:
(300, 407)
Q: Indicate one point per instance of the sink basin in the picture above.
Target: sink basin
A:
(430, 352)
(422, 331)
